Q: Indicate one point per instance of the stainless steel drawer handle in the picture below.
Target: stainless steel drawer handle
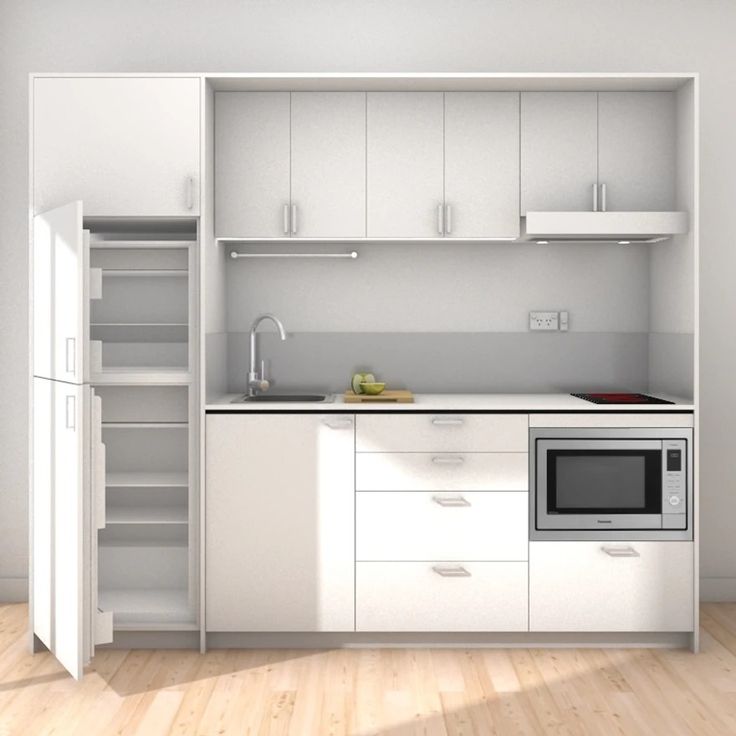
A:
(451, 501)
(448, 460)
(448, 422)
(620, 551)
(338, 423)
(451, 571)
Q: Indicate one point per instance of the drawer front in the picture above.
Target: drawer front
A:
(415, 525)
(578, 586)
(441, 471)
(442, 433)
(602, 419)
(413, 596)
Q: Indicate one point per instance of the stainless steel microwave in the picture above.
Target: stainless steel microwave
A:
(632, 484)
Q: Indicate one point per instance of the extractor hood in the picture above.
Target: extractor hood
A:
(611, 227)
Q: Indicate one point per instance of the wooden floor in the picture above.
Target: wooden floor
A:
(586, 692)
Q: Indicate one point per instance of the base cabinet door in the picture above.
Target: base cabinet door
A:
(441, 596)
(280, 523)
(616, 586)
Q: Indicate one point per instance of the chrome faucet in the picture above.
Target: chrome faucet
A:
(258, 382)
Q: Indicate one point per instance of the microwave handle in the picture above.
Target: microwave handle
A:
(619, 551)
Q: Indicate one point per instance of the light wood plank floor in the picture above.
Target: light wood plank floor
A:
(582, 692)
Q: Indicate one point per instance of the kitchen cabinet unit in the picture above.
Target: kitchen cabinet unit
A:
(279, 516)
(611, 586)
(559, 150)
(481, 165)
(125, 146)
(637, 156)
(405, 164)
(290, 164)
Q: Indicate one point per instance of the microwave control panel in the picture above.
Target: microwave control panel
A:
(674, 484)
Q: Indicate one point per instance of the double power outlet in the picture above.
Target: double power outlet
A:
(556, 321)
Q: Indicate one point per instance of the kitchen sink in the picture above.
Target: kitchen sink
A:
(282, 397)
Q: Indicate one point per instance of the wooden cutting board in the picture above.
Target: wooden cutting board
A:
(399, 397)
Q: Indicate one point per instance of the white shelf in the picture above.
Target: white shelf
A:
(123, 515)
(144, 425)
(140, 331)
(147, 375)
(144, 244)
(153, 272)
(166, 608)
(146, 480)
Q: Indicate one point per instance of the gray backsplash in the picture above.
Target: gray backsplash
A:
(447, 362)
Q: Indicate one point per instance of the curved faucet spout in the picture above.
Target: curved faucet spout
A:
(258, 382)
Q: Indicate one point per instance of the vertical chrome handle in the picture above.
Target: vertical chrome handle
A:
(293, 219)
(603, 197)
(440, 220)
(451, 501)
(595, 197)
(190, 192)
(447, 421)
(451, 571)
(286, 219)
(448, 219)
(71, 354)
(626, 551)
(71, 411)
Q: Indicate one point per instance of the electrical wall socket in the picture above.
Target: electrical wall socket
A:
(548, 321)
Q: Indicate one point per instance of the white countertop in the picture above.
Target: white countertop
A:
(451, 402)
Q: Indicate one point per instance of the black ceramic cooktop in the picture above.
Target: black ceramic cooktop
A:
(622, 398)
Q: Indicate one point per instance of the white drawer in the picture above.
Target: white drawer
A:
(414, 525)
(442, 433)
(413, 596)
(441, 471)
(602, 419)
(578, 586)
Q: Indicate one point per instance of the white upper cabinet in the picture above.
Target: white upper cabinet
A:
(252, 164)
(637, 150)
(280, 522)
(60, 294)
(405, 164)
(482, 164)
(328, 164)
(124, 146)
(559, 150)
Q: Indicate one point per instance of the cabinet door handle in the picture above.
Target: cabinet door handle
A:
(338, 423)
(71, 412)
(448, 460)
(451, 501)
(448, 219)
(190, 192)
(286, 219)
(447, 422)
(603, 198)
(451, 571)
(71, 354)
(617, 551)
(440, 220)
(293, 219)
(595, 197)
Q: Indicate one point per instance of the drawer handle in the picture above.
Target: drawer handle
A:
(620, 551)
(338, 423)
(451, 501)
(451, 571)
(448, 460)
(448, 422)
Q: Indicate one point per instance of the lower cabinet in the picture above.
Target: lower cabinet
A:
(441, 596)
(279, 522)
(611, 586)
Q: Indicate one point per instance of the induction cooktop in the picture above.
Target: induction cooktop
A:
(622, 398)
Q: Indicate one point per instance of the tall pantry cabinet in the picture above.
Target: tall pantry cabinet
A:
(115, 227)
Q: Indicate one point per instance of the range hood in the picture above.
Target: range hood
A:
(608, 227)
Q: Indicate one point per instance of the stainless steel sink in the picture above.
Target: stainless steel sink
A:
(282, 397)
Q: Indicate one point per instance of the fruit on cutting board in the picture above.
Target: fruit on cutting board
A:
(372, 388)
(360, 378)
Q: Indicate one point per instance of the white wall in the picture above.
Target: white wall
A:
(382, 35)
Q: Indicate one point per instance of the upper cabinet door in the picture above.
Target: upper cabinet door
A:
(60, 316)
(124, 146)
(482, 164)
(328, 164)
(559, 151)
(637, 150)
(405, 164)
(252, 162)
